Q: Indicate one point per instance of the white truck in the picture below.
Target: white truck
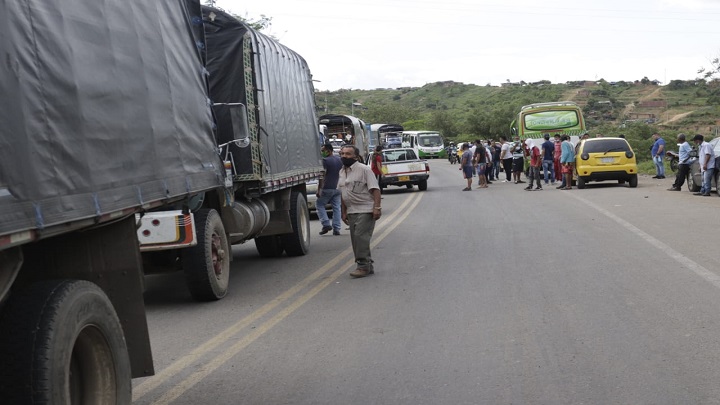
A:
(156, 107)
(402, 167)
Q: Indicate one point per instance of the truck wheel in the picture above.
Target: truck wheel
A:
(269, 246)
(422, 186)
(297, 243)
(633, 181)
(62, 343)
(207, 264)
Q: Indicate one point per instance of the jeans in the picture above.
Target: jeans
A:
(707, 181)
(331, 195)
(534, 175)
(496, 168)
(659, 166)
(361, 231)
(548, 170)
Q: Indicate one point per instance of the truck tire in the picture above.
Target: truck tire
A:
(297, 243)
(207, 264)
(60, 343)
(422, 186)
(269, 246)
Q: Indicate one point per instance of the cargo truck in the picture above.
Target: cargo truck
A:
(113, 126)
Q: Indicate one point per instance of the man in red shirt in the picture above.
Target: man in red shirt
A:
(535, 164)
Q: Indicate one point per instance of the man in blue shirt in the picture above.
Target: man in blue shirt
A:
(657, 152)
(548, 160)
(684, 162)
(328, 192)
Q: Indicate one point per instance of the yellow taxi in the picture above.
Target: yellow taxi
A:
(602, 159)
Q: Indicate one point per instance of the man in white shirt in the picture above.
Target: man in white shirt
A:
(506, 157)
(706, 158)
(360, 205)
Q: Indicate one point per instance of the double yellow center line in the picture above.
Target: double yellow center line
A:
(342, 263)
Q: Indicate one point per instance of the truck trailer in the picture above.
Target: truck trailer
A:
(109, 124)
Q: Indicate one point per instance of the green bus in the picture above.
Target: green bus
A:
(556, 118)
(429, 144)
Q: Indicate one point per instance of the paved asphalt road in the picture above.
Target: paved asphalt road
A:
(608, 295)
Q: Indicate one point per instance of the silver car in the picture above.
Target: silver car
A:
(694, 179)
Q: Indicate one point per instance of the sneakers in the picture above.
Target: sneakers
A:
(538, 188)
(674, 189)
(337, 232)
(325, 229)
(466, 189)
(528, 188)
(360, 273)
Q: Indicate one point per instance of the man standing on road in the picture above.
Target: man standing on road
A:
(535, 164)
(548, 150)
(657, 152)
(466, 165)
(706, 157)
(360, 207)
(518, 162)
(506, 157)
(684, 162)
(480, 159)
(327, 191)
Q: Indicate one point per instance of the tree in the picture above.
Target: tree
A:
(442, 121)
(709, 73)
(258, 24)
(388, 114)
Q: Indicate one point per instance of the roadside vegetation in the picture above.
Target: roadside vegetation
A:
(462, 112)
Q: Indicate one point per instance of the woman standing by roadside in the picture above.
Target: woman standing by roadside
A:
(567, 160)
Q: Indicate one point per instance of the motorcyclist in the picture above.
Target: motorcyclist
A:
(452, 153)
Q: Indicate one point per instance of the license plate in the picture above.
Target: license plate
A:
(607, 160)
(404, 178)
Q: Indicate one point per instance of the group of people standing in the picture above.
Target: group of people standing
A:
(555, 159)
(706, 160)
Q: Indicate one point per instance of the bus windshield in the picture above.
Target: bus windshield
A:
(430, 140)
(546, 120)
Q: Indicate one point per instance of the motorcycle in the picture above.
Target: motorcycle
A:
(674, 158)
(452, 156)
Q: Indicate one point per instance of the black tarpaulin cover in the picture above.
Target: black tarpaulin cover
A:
(103, 107)
(282, 89)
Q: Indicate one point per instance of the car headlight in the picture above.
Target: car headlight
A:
(585, 156)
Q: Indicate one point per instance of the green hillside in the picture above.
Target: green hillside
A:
(466, 111)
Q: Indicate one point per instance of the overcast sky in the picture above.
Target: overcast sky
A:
(373, 44)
